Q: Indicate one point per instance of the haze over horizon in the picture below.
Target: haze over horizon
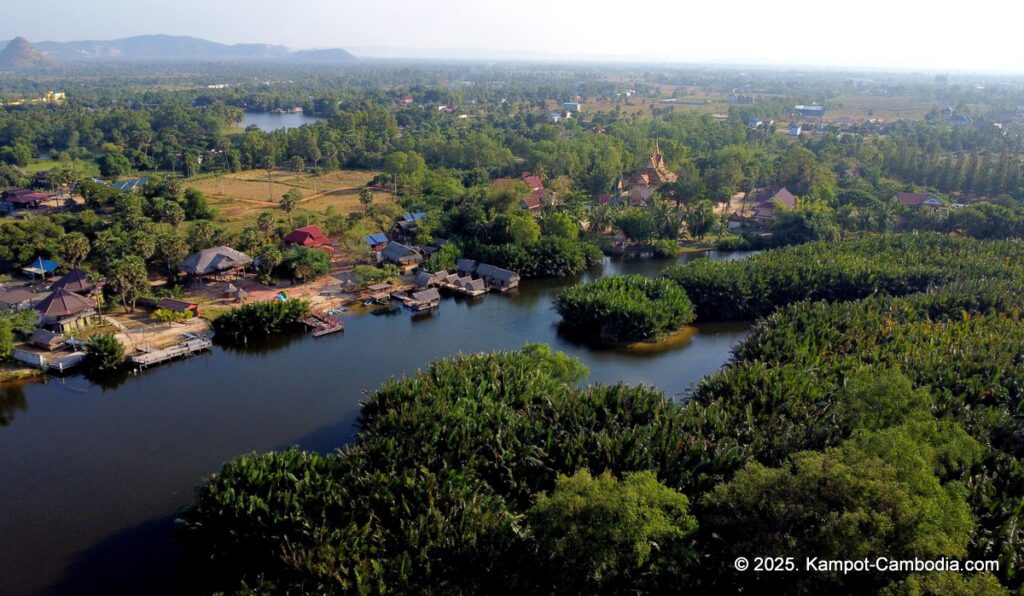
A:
(870, 33)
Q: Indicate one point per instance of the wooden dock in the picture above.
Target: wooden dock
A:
(181, 350)
(322, 324)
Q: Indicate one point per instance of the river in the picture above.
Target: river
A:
(270, 121)
(91, 477)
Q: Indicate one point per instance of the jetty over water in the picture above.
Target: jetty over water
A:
(191, 345)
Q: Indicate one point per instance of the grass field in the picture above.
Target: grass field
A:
(887, 108)
(241, 196)
(87, 168)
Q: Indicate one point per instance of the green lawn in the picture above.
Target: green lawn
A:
(88, 168)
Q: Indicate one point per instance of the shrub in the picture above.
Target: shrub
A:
(258, 319)
(625, 308)
(103, 353)
(666, 248)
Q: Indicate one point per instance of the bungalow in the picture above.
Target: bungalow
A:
(468, 285)
(76, 281)
(376, 242)
(131, 184)
(766, 203)
(531, 202)
(19, 298)
(218, 260)
(66, 311)
(24, 198)
(407, 226)
(922, 201)
(47, 340)
(405, 257)
(497, 278)
(464, 267)
(424, 300)
(736, 221)
(310, 237)
(426, 280)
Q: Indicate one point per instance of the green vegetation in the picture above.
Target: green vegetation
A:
(884, 425)
(606, 535)
(259, 319)
(625, 308)
(895, 264)
(306, 263)
(104, 353)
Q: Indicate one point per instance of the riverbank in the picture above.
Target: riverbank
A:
(12, 373)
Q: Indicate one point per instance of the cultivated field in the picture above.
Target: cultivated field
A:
(241, 196)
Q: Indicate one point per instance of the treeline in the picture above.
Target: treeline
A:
(897, 265)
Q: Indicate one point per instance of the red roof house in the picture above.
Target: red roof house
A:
(309, 236)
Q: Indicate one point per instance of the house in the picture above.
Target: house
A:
(76, 281)
(468, 285)
(766, 203)
(497, 278)
(407, 226)
(376, 242)
(19, 298)
(175, 305)
(754, 123)
(464, 267)
(424, 300)
(555, 117)
(736, 221)
(531, 203)
(405, 257)
(810, 111)
(407, 100)
(219, 260)
(23, 198)
(66, 311)
(131, 184)
(572, 106)
(794, 131)
(47, 340)
(534, 183)
(922, 201)
(426, 280)
(310, 237)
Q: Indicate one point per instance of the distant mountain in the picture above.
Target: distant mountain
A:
(171, 48)
(321, 56)
(21, 55)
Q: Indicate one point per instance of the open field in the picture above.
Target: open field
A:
(87, 168)
(887, 108)
(241, 196)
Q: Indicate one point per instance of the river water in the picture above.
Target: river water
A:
(91, 477)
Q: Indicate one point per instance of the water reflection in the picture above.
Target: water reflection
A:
(12, 399)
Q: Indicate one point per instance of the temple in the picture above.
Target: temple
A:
(638, 188)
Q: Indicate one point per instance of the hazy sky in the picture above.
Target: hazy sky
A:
(976, 35)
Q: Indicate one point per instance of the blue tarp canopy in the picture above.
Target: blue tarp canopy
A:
(413, 216)
(40, 266)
